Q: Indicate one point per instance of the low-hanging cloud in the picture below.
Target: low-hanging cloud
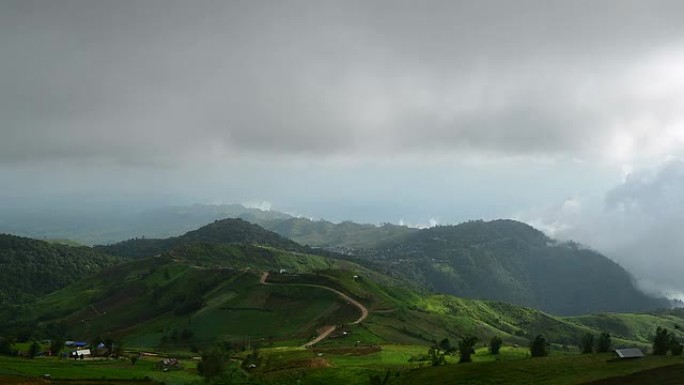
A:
(638, 224)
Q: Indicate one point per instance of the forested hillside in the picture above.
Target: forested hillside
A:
(30, 268)
(510, 261)
(500, 260)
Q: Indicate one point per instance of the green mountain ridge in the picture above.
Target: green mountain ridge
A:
(502, 260)
(499, 260)
(230, 230)
(510, 261)
(211, 292)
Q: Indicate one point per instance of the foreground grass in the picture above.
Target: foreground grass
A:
(96, 370)
(568, 369)
(355, 365)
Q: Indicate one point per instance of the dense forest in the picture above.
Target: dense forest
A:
(30, 268)
(510, 261)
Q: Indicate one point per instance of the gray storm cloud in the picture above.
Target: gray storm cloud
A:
(158, 81)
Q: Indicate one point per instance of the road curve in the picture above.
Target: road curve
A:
(330, 329)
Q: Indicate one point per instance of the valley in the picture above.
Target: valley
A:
(279, 312)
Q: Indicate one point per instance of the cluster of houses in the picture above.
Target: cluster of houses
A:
(79, 350)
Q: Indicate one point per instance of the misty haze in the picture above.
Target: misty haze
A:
(352, 192)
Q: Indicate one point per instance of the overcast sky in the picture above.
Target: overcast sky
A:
(566, 114)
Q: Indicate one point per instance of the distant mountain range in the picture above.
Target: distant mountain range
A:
(106, 226)
(500, 260)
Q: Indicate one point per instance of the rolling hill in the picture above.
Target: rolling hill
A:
(502, 260)
(225, 231)
(209, 289)
(196, 295)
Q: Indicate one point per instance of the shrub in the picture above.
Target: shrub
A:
(465, 348)
(495, 345)
(587, 343)
(539, 347)
(604, 343)
(661, 342)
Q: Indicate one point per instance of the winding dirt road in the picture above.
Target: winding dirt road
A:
(328, 329)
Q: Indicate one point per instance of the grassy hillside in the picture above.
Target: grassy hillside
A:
(198, 294)
(30, 268)
(554, 370)
(499, 260)
(211, 290)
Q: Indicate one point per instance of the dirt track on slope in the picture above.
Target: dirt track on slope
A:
(329, 329)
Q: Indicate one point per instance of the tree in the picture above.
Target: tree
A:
(6, 347)
(661, 342)
(465, 348)
(109, 345)
(539, 347)
(676, 347)
(34, 349)
(436, 358)
(587, 343)
(117, 349)
(604, 343)
(495, 345)
(56, 345)
(446, 347)
(377, 380)
(213, 364)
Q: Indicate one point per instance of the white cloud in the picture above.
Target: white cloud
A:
(637, 223)
(256, 204)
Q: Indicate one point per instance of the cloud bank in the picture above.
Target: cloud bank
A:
(637, 223)
(168, 82)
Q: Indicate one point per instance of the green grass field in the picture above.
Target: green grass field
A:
(565, 369)
(64, 369)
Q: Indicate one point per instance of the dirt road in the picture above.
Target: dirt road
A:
(329, 329)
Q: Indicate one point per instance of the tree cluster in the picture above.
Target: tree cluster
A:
(665, 341)
(588, 343)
